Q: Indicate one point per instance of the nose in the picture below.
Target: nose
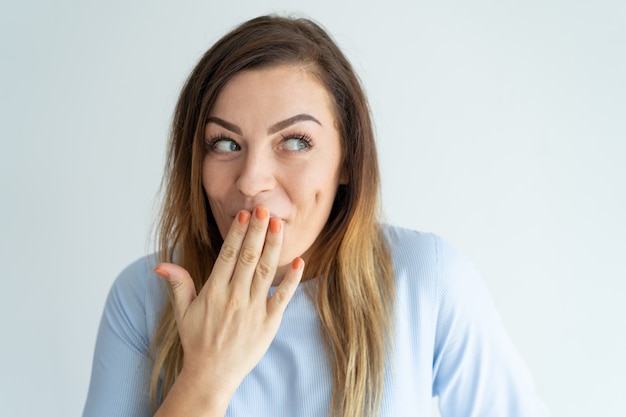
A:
(257, 174)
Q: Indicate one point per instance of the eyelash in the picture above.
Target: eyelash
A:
(210, 145)
(304, 137)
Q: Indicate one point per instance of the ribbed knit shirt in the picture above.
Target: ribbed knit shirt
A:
(448, 342)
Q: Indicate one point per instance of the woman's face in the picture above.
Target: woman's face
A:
(271, 140)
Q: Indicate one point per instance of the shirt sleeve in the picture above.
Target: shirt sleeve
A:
(476, 369)
(122, 365)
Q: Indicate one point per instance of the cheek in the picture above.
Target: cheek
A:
(216, 190)
(216, 180)
(314, 190)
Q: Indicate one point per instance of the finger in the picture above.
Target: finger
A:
(229, 253)
(183, 290)
(251, 250)
(278, 301)
(266, 267)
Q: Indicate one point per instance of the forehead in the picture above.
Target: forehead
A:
(287, 87)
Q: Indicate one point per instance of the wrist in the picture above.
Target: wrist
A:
(195, 394)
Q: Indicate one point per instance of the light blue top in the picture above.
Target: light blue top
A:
(448, 342)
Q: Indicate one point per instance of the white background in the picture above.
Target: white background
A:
(501, 126)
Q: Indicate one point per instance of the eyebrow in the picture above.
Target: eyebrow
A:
(276, 127)
(226, 125)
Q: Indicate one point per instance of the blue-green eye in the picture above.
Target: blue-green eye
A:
(224, 145)
(296, 143)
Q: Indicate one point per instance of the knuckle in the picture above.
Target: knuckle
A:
(280, 296)
(211, 286)
(176, 285)
(248, 256)
(258, 227)
(228, 253)
(233, 303)
(273, 243)
(238, 232)
(263, 269)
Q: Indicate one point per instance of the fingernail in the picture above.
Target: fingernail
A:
(161, 272)
(261, 213)
(243, 217)
(297, 263)
(275, 224)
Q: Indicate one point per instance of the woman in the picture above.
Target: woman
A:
(272, 165)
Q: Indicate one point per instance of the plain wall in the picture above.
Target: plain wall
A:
(500, 125)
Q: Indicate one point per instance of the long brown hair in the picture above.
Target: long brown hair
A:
(350, 258)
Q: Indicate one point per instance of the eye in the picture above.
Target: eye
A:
(223, 145)
(296, 143)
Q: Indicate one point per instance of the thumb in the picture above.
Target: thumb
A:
(183, 290)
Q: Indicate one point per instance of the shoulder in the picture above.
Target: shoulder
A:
(122, 358)
(432, 273)
(137, 297)
(425, 256)
(137, 283)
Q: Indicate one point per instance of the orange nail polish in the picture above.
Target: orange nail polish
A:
(275, 224)
(161, 272)
(297, 263)
(261, 213)
(243, 217)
